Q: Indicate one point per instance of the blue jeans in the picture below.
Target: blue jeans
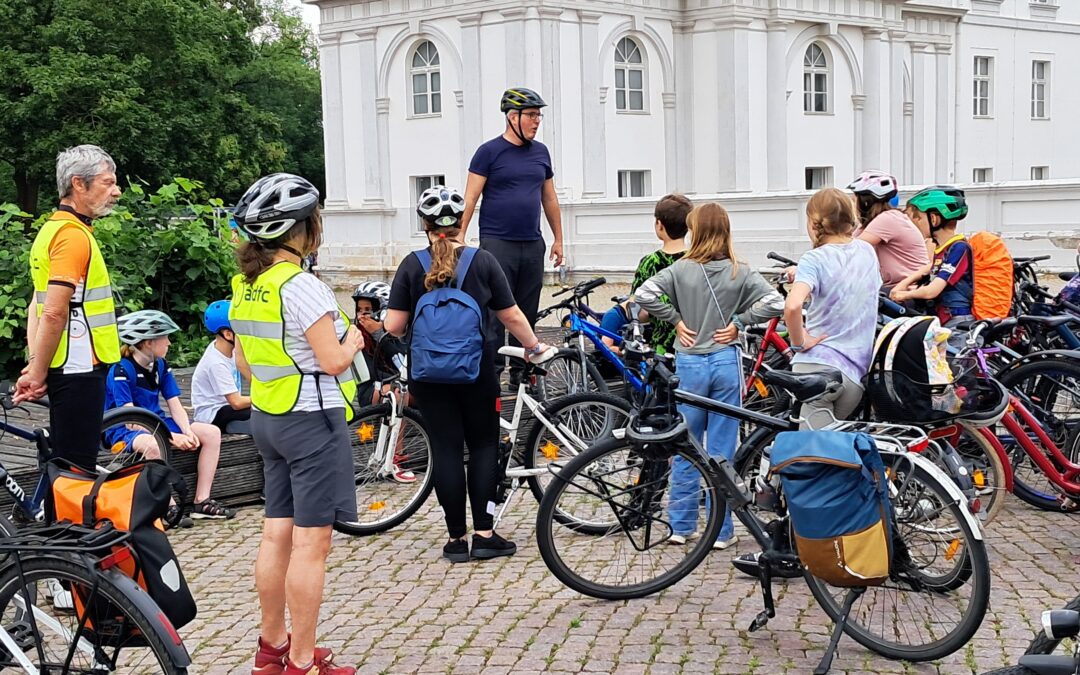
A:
(717, 376)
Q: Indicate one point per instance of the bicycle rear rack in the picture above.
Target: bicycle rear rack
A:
(63, 537)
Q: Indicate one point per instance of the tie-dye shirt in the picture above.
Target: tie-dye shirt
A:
(844, 281)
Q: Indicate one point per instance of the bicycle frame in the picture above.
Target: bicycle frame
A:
(595, 333)
(33, 507)
(771, 338)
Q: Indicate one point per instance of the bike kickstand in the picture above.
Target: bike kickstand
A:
(514, 486)
(838, 631)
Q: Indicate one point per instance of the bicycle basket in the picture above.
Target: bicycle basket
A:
(896, 397)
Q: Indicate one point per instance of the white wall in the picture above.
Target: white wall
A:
(724, 117)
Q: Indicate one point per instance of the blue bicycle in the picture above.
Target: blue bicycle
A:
(580, 323)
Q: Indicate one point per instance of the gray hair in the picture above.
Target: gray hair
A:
(84, 161)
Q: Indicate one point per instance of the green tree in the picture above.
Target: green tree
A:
(168, 87)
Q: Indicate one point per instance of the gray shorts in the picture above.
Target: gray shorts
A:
(308, 469)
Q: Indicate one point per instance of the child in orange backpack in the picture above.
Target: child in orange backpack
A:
(952, 284)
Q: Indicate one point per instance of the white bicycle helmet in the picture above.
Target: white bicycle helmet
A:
(441, 205)
(273, 204)
(877, 184)
(145, 324)
(375, 291)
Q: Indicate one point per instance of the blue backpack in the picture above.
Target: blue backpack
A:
(447, 330)
(837, 497)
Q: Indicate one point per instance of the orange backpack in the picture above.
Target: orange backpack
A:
(992, 274)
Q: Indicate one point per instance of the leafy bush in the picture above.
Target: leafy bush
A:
(170, 250)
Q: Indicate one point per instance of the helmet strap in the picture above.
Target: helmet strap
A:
(517, 132)
(292, 250)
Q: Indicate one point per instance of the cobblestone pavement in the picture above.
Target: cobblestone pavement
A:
(394, 606)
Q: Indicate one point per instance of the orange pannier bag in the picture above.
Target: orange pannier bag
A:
(992, 275)
(133, 499)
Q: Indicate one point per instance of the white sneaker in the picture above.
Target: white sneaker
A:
(721, 544)
(61, 598)
(680, 539)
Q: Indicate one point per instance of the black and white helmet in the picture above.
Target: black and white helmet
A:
(441, 205)
(375, 291)
(273, 204)
(145, 324)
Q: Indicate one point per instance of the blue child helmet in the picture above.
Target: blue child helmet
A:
(216, 316)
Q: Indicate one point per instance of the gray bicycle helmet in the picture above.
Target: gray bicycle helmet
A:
(520, 98)
(273, 204)
(441, 205)
(145, 324)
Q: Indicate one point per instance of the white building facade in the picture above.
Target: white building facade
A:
(750, 102)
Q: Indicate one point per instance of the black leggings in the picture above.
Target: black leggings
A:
(76, 404)
(456, 414)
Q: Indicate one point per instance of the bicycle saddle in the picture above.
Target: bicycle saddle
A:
(807, 386)
(1049, 321)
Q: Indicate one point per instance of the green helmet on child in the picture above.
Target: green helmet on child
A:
(947, 201)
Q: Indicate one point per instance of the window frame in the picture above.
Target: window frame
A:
(626, 67)
(1044, 170)
(430, 71)
(414, 186)
(1040, 84)
(978, 78)
(988, 175)
(626, 183)
(826, 174)
(813, 71)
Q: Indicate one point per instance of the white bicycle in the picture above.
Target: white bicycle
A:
(390, 439)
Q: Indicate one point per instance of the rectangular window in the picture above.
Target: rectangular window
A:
(818, 177)
(982, 175)
(983, 75)
(634, 183)
(419, 184)
(1040, 173)
(1040, 90)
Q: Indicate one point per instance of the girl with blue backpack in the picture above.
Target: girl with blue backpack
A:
(441, 297)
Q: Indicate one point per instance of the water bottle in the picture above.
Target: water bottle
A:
(564, 274)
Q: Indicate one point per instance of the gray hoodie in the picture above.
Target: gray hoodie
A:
(747, 298)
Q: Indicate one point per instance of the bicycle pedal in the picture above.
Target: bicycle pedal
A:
(759, 621)
(22, 633)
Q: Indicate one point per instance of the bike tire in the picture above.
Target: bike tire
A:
(1012, 670)
(1029, 483)
(583, 432)
(382, 502)
(1043, 644)
(145, 636)
(976, 571)
(115, 442)
(549, 532)
(563, 375)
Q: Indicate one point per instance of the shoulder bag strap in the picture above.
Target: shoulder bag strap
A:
(723, 321)
(424, 256)
(464, 263)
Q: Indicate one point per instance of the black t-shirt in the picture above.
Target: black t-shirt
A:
(485, 282)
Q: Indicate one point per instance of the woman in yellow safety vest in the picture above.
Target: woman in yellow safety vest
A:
(298, 349)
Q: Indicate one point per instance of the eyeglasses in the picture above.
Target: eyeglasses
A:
(533, 115)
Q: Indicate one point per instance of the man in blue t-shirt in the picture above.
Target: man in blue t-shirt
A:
(513, 173)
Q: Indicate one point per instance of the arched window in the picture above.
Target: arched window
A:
(629, 76)
(426, 81)
(815, 80)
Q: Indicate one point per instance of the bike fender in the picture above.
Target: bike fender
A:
(1049, 664)
(950, 487)
(1039, 356)
(173, 643)
(1006, 463)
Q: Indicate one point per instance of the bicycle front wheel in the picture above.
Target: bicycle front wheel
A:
(626, 497)
(130, 435)
(568, 426)
(1043, 644)
(987, 471)
(117, 636)
(385, 456)
(939, 589)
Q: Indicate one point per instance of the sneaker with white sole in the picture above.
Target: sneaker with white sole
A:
(721, 544)
(681, 539)
(61, 597)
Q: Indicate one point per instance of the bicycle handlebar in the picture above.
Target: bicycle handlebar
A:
(583, 288)
(1031, 260)
(889, 307)
(773, 255)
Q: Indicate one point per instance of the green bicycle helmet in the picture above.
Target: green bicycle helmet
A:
(945, 200)
(520, 98)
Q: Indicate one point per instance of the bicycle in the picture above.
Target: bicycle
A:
(115, 625)
(1060, 629)
(390, 436)
(112, 453)
(621, 484)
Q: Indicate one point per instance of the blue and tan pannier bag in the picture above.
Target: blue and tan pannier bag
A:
(837, 497)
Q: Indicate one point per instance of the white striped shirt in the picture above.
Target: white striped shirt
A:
(306, 299)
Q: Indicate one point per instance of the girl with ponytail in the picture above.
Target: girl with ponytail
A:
(841, 277)
(712, 296)
(461, 413)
